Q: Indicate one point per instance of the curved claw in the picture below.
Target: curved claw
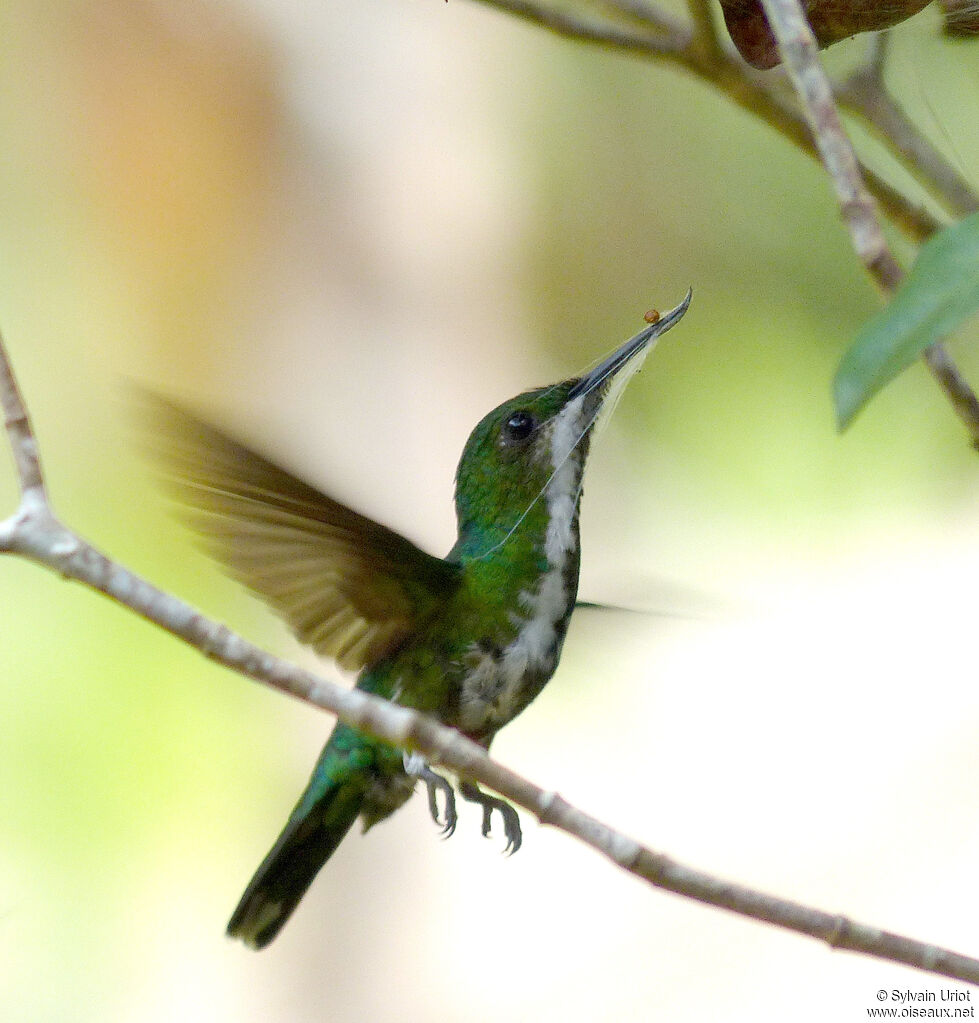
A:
(511, 820)
(436, 783)
(416, 767)
(511, 828)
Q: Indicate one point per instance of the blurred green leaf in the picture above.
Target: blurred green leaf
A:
(940, 292)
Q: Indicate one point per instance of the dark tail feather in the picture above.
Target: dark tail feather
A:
(315, 829)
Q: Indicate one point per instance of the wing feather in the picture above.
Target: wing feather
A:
(346, 585)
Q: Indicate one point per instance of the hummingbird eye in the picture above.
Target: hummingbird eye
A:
(517, 428)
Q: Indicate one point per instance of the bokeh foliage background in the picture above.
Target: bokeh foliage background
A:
(347, 231)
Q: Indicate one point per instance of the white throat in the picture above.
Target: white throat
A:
(538, 642)
(497, 689)
(562, 490)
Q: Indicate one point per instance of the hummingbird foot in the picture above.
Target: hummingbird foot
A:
(511, 821)
(415, 767)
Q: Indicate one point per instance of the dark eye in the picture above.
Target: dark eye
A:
(518, 427)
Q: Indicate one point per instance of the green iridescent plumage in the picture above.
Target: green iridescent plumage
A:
(471, 638)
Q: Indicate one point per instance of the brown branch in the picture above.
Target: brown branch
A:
(705, 29)
(958, 392)
(648, 15)
(34, 532)
(865, 94)
(912, 218)
(565, 23)
(800, 53)
(761, 95)
(853, 180)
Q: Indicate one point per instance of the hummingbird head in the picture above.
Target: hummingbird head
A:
(523, 463)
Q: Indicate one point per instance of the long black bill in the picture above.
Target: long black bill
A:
(633, 346)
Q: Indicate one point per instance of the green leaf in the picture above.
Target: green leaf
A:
(940, 292)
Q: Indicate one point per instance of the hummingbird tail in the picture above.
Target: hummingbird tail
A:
(316, 827)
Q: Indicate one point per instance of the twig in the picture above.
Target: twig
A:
(648, 15)
(20, 434)
(959, 393)
(877, 49)
(728, 73)
(865, 94)
(761, 95)
(800, 53)
(565, 23)
(851, 177)
(913, 219)
(35, 533)
(705, 29)
(853, 180)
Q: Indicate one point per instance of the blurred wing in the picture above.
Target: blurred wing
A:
(348, 587)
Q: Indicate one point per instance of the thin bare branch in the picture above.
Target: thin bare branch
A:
(912, 218)
(877, 50)
(36, 534)
(761, 95)
(959, 393)
(565, 23)
(705, 28)
(19, 430)
(800, 53)
(853, 180)
(649, 15)
(865, 94)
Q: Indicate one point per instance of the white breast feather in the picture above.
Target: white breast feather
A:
(493, 687)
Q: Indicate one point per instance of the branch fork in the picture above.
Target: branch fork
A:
(810, 121)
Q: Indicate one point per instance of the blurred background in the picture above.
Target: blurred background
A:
(345, 232)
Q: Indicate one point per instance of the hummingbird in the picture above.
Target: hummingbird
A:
(471, 638)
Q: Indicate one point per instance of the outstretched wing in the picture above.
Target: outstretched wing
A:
(349, 587)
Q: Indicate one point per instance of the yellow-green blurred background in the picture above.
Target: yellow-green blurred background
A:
(346, 231)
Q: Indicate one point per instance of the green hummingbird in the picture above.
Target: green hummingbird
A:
(471, 638)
